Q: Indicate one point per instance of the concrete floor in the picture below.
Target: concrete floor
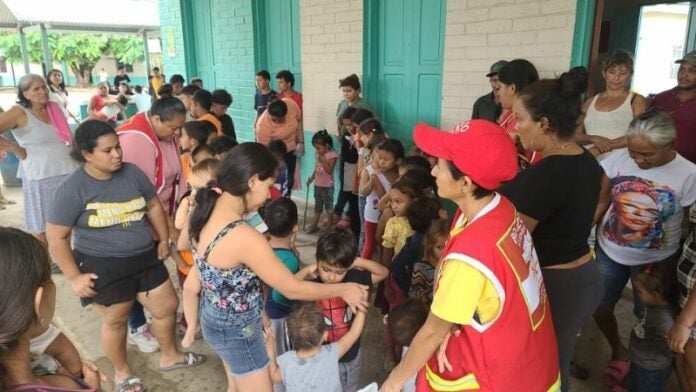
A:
(82, 326)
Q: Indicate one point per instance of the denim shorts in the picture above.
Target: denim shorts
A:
(616, 276)
(236, 337)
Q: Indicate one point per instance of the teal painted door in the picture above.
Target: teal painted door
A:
(407, 61)
(278, 35)
(204, 51)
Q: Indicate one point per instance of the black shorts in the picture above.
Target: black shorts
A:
(122, 278)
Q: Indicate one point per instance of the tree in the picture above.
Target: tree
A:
(10, 48)
(80, 52)
(127, 49)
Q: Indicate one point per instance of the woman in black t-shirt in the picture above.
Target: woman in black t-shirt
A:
(557, 198)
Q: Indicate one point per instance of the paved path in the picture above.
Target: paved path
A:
(82, 327)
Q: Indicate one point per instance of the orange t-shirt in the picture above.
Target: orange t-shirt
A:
(186, 164)
(188, 259)
(209, 117)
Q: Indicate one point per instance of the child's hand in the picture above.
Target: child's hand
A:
(269, 339)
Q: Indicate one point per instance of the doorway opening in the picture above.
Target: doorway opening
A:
(655, 32)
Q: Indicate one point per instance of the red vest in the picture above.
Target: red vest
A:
(139, 124)
(516, 350)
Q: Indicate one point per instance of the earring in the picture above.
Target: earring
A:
(531, 143)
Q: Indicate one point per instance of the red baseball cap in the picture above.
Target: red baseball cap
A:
(480, 149)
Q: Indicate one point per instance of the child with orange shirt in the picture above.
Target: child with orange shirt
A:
(201, 173)
(193, 134)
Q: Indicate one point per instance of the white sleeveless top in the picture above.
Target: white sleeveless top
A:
(611, 124)
(372, 213)
(47, 156)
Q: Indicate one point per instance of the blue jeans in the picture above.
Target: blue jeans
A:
(616, 276)
(136, 318)
(642, 380)
(236, 337)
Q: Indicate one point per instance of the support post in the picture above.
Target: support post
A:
(48, 61)
(147, 55)
(23, 49)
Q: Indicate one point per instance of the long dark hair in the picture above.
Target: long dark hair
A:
(24, 267)
(239, 166)
(519, 72)
(62, 82)
(559, 100)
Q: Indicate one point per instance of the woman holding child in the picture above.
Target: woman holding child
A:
(27, 304)
(505, 328)
(231, 260)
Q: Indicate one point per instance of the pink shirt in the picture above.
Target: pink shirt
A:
(321, 177)
(138, 150)
(267, 130)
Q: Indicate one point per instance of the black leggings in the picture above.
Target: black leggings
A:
(350, 198)
(290, 162)
(573, 295)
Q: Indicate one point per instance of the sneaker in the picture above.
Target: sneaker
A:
(312, 230)
(144, 339)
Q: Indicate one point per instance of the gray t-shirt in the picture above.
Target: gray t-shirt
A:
(317, 373)
(647, 346)
(107, 216)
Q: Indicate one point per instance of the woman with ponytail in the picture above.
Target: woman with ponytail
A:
(231, 260)
(27, 304)
(557, 198)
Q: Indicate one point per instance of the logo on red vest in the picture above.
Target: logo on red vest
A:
(525, 266)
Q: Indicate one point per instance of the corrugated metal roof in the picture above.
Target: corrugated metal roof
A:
(79, 15)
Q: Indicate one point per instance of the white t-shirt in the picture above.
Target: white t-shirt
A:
(143, 102)
(110, 110)
(643, 222)
(372, 212)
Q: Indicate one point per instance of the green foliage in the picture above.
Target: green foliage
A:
(127, 49)
(80, 52)
(10, 48)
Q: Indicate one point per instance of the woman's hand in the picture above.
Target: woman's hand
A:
(603, 144)
(91, 374)
(678, 336)
(163, 250)
(442, 360)
(83, 285)
(355, 296)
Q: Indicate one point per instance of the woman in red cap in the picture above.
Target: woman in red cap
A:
(488, 285)
(557, 200)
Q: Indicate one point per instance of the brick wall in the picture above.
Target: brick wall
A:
(481, 32)
(331, 34)
(170, 25)
(233, 45)
(233, 49)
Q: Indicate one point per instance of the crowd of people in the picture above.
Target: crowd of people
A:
(560, 202)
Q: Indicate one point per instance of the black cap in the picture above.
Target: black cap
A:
(495, 68)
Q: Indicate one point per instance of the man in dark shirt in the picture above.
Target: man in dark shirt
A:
(221, 101)
(121, 76)
(488, 107)
(680, 103)
(264, 92)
